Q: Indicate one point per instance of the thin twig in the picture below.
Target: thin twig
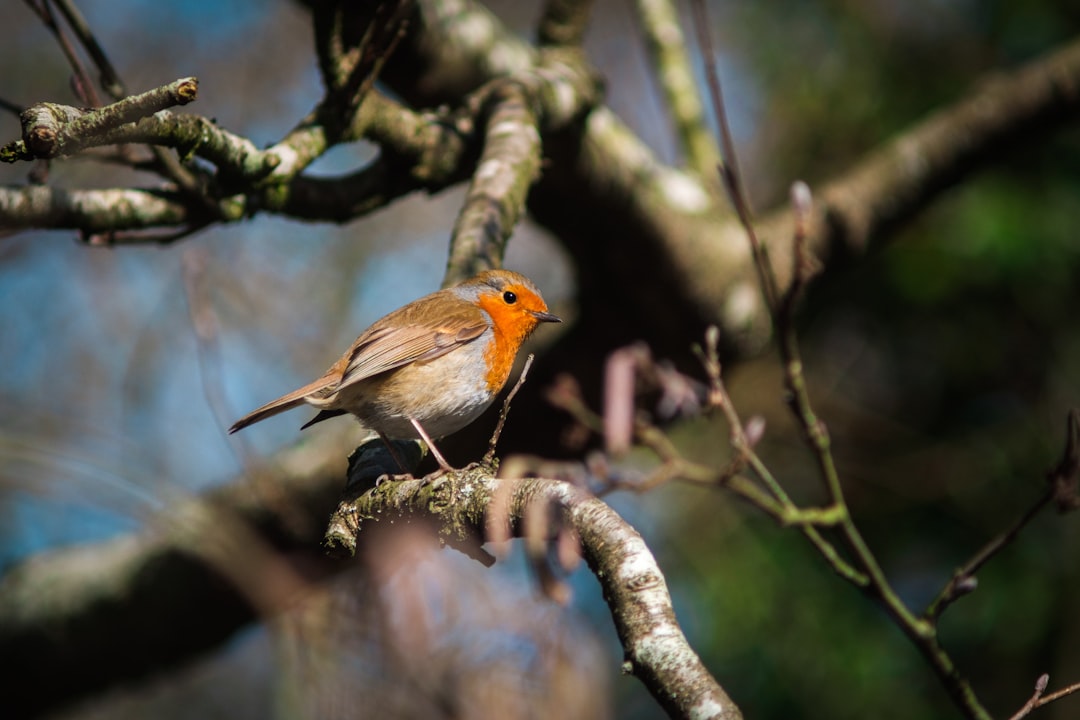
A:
(168, 164)
(1033, 701)
(919, 631)
(787, 513)
(390, 31)
(1065, 477)
(1058, 694)
(204, 325)
(1062, 479)
(489, 457)
(84, 89)
(110, 79)
(963, 580)
(13, 108)
(729, 167)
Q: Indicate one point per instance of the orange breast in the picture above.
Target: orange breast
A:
(511, 327)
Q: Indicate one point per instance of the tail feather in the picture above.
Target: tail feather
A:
(323, 415)
(283, 403)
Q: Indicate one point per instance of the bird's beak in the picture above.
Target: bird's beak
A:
(544, 316)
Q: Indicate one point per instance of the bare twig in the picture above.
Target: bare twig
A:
(1062, 480)
(113, 238)
(364, 62)
(963, 581)
(803, 265)
(13, 108)
(1033, 702)
(204, 324)
(1039, 698)
(110, 79)
(729, 166)
(1056, 695)
(868, 571)
(84, 89)
(489, 457)
(351, 61)
(1065, 477)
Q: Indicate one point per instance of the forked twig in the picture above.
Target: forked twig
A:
(963, 580)
(1032, 703)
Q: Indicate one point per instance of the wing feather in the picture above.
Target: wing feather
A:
(406, 336)
(423, 330)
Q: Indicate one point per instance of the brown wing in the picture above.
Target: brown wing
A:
(406, 335)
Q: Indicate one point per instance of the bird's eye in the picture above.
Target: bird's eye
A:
(509, 298)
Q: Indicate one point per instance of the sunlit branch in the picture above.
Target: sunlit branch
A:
(656, 649)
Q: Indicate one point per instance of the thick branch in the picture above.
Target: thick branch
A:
(620, 209)
(466, 506)
(92, 211)
(507, 169)
(605, 193)
(117, 606)
(83, 619)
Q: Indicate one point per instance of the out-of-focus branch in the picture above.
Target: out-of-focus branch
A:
(1063, 480)
(670, 54)
(780, 303)
(657, 220)
(654, 219)
(353, 43)
(90, 210)
(421, 151)
(921, 630)
(81, 85)
(87, 618)
(110, 79)
(563, 22)
(1040, 698)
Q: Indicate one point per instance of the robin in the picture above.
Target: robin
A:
(429, 368)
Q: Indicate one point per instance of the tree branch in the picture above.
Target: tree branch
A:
(119, 610)
(92, 211)
(464, 506)
(563, 22)
(508, 166)
(670, 54)
(616, 206)
(51, 130)
(84, 619)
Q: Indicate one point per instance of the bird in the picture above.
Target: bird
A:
(429, 368)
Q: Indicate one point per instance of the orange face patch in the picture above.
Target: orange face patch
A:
(512, 323)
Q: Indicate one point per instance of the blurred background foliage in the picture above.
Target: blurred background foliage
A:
(943, 363)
